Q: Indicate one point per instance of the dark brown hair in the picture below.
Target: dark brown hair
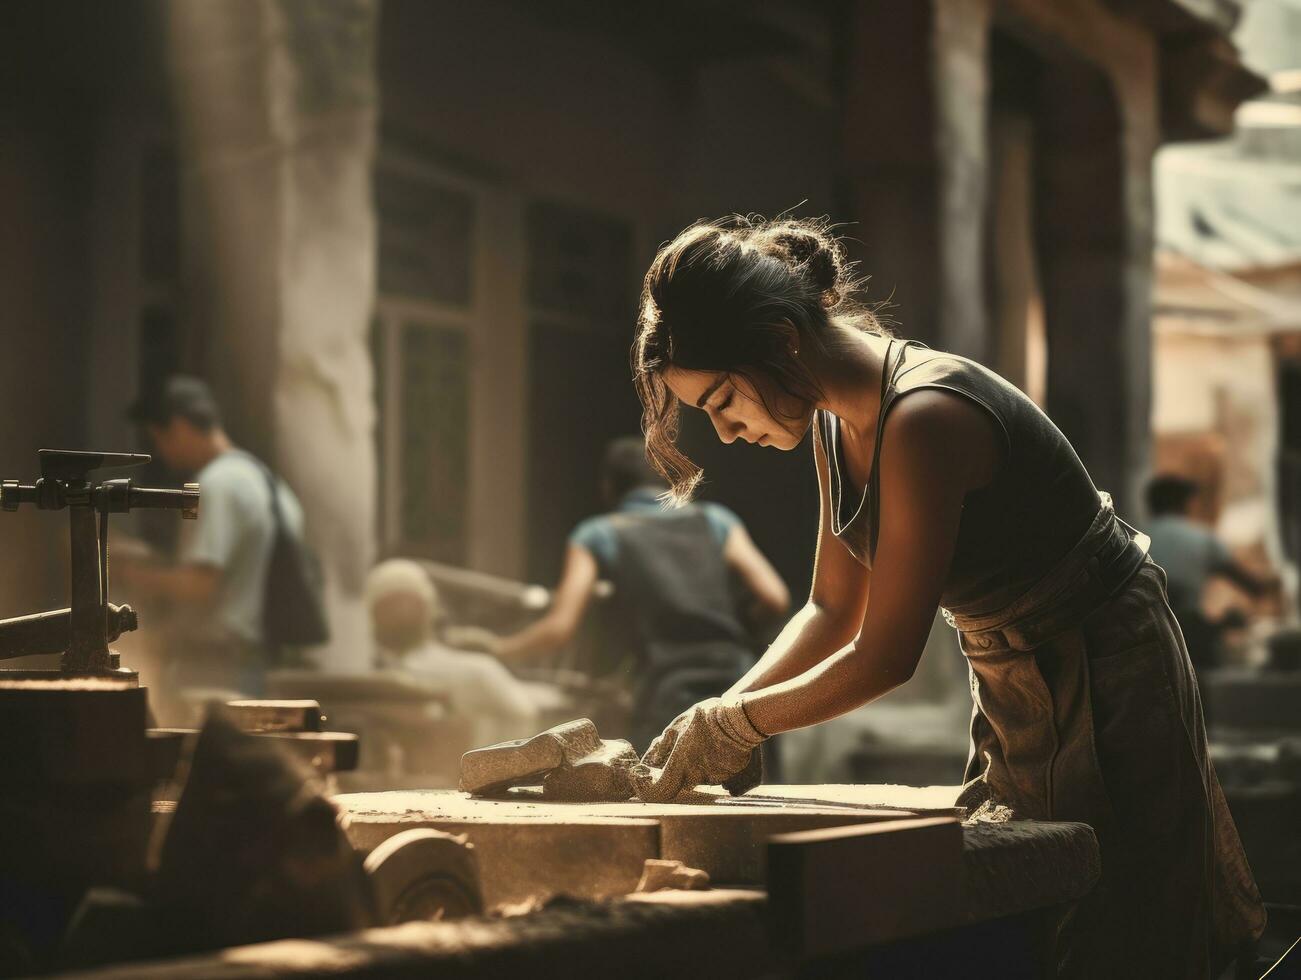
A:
(723, 296)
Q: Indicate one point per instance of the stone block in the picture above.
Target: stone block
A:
(837, 889)
(498, 767)
(601, 776)
(660, 875)
(1023, 865)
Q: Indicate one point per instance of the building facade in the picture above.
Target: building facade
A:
(404, 239)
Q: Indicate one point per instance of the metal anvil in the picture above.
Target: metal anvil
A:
(83, 631)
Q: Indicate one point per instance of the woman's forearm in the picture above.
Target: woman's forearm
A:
(810, 637)
(840, 683)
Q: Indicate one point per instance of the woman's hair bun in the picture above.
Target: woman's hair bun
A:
(808, 248)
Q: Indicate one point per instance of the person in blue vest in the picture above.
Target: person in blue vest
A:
(1192, 555)
(672, 571)
(943, 485)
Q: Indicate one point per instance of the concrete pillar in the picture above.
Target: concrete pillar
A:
(1013, 279)
(917, 162)
(1094, 233)
(276, 110)
(915, 159)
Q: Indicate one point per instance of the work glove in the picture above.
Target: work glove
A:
(740, 784)
(711, 743)
(749, 777)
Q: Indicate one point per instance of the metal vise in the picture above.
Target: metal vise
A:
(82, 632)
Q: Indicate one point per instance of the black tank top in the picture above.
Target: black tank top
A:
(1013, 530)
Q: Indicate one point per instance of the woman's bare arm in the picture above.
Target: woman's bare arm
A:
(834, 612)
(936, 447)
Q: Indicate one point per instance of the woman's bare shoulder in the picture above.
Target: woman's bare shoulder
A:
(946, 433)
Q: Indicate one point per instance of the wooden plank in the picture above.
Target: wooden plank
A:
(266, 715)
(844, 888)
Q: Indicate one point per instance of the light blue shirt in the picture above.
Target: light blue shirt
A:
(1190, 554)
(597, 534)
(234, 533)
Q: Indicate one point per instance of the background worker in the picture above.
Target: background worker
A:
(218, 583)
(1192, 555)
(404, 613)
(672, 572)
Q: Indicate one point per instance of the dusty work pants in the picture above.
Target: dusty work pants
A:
(1087, 709)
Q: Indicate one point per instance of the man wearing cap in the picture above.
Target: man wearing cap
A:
(219, 580)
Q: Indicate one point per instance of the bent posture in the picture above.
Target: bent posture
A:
(941, 483)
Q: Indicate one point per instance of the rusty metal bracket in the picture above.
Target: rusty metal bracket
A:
(84, 629)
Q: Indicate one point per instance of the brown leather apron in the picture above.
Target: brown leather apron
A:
(1086, 708)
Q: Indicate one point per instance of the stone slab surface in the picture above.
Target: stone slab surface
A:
(931, 800)
(721, 835)
(1009, 867)
(525, 860)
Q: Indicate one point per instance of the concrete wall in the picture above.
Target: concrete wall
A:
(53, 89)
(855, 125)
(43, 295)
(555, 113)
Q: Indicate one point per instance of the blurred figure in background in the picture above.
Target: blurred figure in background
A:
(1192, 555)
(218, 585)
(672, 575)
(404, 610)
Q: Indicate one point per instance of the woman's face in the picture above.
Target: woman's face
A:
(737, 410)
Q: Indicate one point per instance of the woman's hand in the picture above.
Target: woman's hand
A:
(747, 779)
(709, 743)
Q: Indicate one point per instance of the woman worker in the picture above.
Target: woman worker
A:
(941, 483)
